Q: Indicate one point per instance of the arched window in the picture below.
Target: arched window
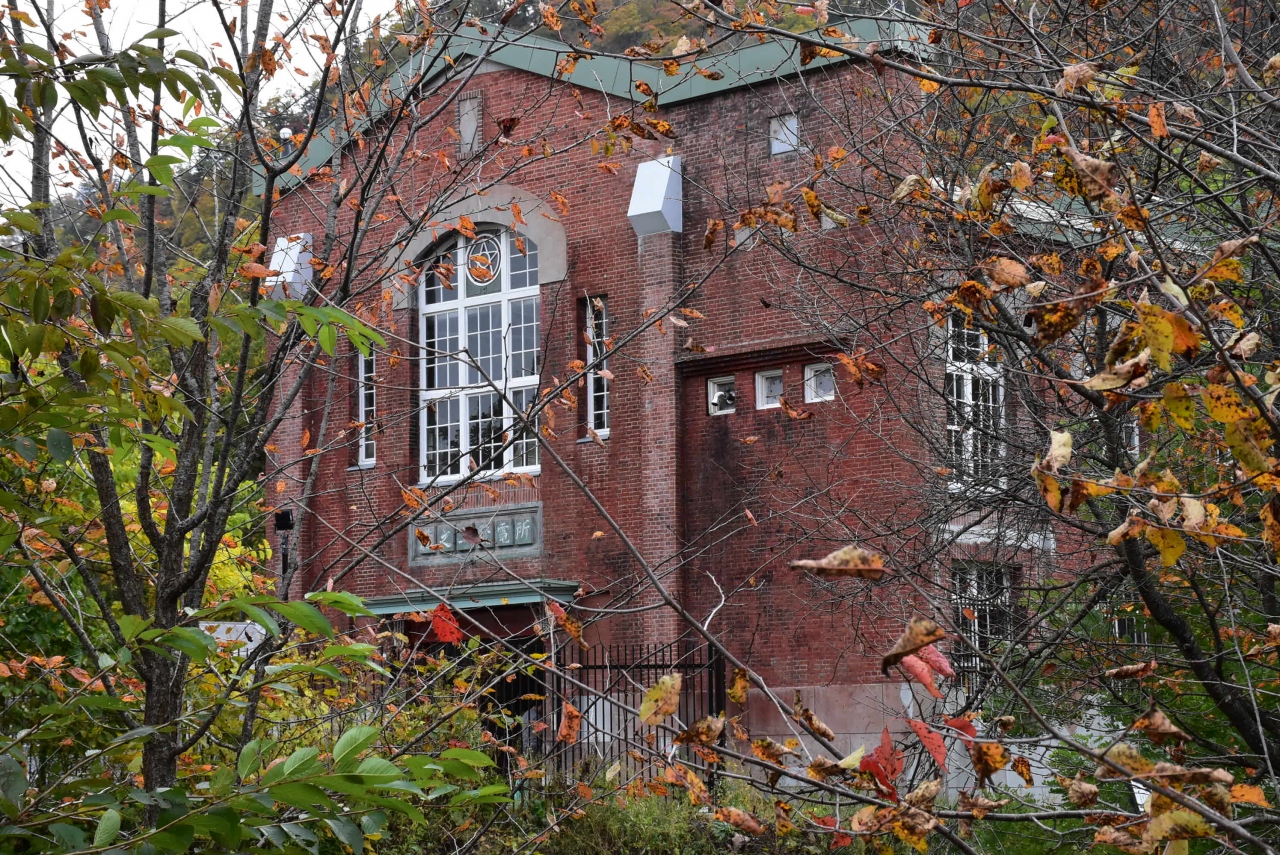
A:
(480, 353)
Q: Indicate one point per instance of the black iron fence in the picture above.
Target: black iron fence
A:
(605, 683)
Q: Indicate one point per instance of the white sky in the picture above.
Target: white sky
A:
(201, 31)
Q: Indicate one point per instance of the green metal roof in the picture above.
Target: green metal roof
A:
(486, 595)
(615, 76)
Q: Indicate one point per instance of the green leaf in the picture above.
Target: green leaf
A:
(260, 617)
(13, 780)
(161, 166)
(328, 339)
(250, 759)
(343, 601)
(179, 332)
(225, 828)
(347, 832)
(304, 615)
(469, 756)
(9, 532)
(38, 53)
(159, 33)
(58, 441)
(69, 837)
(301, 795)
(301, 762)
(107, 76)
(192, 57)
(349, 746)
(121, 214)
(132, 625)
(25, 221)
(108, 829)
(229, 77)
(193, 642)
(25, 446)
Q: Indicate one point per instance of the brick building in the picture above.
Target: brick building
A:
(724, 443)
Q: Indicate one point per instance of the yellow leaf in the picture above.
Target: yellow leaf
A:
(1224, 404)
(854, 760)
(661, 700)
(1170, 544)
(738, 686)
(1157, 332)
(1226, 270)
(929, 86)
(1245, 447)
(1178, 824)
(1179, 405)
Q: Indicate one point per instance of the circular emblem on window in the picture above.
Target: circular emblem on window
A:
(484, 257)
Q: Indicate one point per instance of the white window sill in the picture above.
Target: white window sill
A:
(364, 464)
(819, 400)
(768, 406)
(600, 434)
(449, 480)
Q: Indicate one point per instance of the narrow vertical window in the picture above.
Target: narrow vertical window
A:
(469, 123)
(367, 406)
(598, 379)
(974, 390)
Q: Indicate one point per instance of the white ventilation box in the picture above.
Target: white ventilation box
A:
(657, 198)
(292, 257)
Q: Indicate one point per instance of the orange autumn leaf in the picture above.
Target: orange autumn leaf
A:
(571, 625)
(988, 758)
(254, 270)
(1249, 794)
(1159, 127)
(739, 819)
(570, 723)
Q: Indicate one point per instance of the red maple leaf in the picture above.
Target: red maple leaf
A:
(932, 741)
(445, 625)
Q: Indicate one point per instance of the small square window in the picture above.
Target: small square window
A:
(721, 397)
(819, 383)
(768, 389)
(784, 134)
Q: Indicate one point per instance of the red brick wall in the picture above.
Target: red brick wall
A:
(675, 479)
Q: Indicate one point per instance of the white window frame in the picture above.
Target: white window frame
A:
(762, 395)
(965, 441)
(366, 407)
(715, 386)
(471, 385)
(811, 371)
(599, 414)
(784, 134)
